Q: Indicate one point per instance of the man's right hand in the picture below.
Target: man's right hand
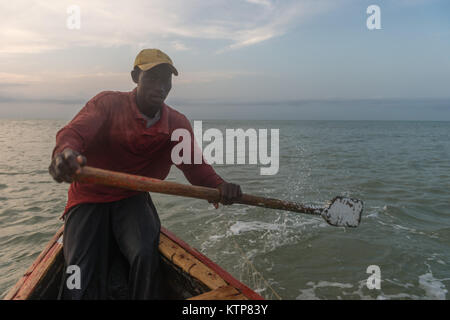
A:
(65, 164)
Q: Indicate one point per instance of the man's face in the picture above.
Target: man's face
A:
(154, 85)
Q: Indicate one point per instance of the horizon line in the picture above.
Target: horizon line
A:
(241, 119)
(189, 101)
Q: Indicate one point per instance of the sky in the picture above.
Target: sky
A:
(250, 59)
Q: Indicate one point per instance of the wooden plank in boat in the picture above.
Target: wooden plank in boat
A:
(222, 293)
(189, 264)
(228, 278)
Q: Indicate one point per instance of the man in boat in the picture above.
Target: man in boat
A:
(127, 132)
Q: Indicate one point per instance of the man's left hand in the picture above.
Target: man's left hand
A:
(229, 192)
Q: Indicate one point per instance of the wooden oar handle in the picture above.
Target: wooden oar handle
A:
(139, 183)
(277, 204)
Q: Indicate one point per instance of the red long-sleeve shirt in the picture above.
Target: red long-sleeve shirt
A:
(111, 132)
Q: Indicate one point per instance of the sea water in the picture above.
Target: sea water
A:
(401, 170)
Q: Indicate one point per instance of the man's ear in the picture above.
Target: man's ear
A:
(135, 75)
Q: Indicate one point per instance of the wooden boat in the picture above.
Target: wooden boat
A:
(188, 274)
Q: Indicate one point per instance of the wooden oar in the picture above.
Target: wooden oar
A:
(341, 211)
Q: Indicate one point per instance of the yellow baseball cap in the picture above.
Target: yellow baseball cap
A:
(149, 58)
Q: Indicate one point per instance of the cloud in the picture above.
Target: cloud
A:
(38, 26)
(16, 78)
(210, 76)
(265, 3)
(58, 86)
(179, 46)
(51, 87)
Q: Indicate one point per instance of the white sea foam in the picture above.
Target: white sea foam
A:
(216, 237)
(280, 224)
(433, 287)
(241, 226)
(309, 293)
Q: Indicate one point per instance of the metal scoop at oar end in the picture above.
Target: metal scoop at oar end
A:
(343, 212)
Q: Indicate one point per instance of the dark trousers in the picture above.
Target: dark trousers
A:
(115, 247)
